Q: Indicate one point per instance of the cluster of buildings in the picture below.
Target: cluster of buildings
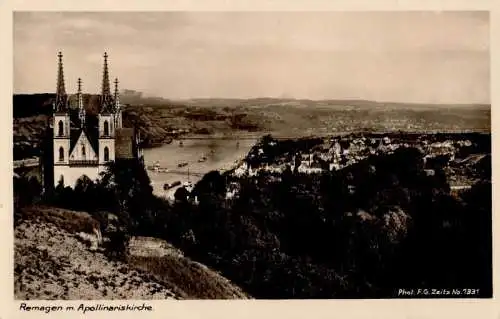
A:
(333, 154)
(340, 152)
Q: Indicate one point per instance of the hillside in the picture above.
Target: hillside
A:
(52, 262)
(355, 232)
(160, 120)
(266, 101)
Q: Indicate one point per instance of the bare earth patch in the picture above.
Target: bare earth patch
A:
(53, 261)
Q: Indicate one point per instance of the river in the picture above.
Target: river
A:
(219, 154)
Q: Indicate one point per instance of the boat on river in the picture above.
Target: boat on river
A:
(154, 167)
(183, 164)
(168, 186)
(157, 168)
(202, 159)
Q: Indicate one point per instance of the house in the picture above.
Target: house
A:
(79, 143)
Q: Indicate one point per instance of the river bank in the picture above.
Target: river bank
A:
(196, 158)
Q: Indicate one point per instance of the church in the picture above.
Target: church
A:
(81, 143)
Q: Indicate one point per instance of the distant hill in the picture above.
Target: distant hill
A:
(35, 104)
(25, 105)
(319, 103)
(159, 120)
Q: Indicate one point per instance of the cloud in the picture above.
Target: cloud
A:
(406, 56)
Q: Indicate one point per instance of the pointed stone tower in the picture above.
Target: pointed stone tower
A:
(106, 98)
(81, 109)
(106, 120)
(117, 108)
(61, 127)
(61, 102)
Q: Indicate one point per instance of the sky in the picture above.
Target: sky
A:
(422, 57)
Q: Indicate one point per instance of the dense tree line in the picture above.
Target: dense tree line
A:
(360, 232)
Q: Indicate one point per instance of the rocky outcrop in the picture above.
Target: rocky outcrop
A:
(51, 263)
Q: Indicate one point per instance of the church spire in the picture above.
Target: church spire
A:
(105, 78)
(117, 107)
(81, 109)
(106, 103)
(117, 98)
(61, 97)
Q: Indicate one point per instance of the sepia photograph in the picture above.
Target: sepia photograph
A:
(252, 155)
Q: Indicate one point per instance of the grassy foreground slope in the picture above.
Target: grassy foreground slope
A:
(52, 262)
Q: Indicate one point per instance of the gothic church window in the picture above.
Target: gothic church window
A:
(106, 154)
(61, 154)
(83, 150)
(106, 128)
(61, 128)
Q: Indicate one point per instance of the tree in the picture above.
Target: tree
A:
(181, 194)
(118, 243)
(83, 184)
(129, 186)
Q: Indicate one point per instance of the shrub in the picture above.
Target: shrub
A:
(117, 247)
